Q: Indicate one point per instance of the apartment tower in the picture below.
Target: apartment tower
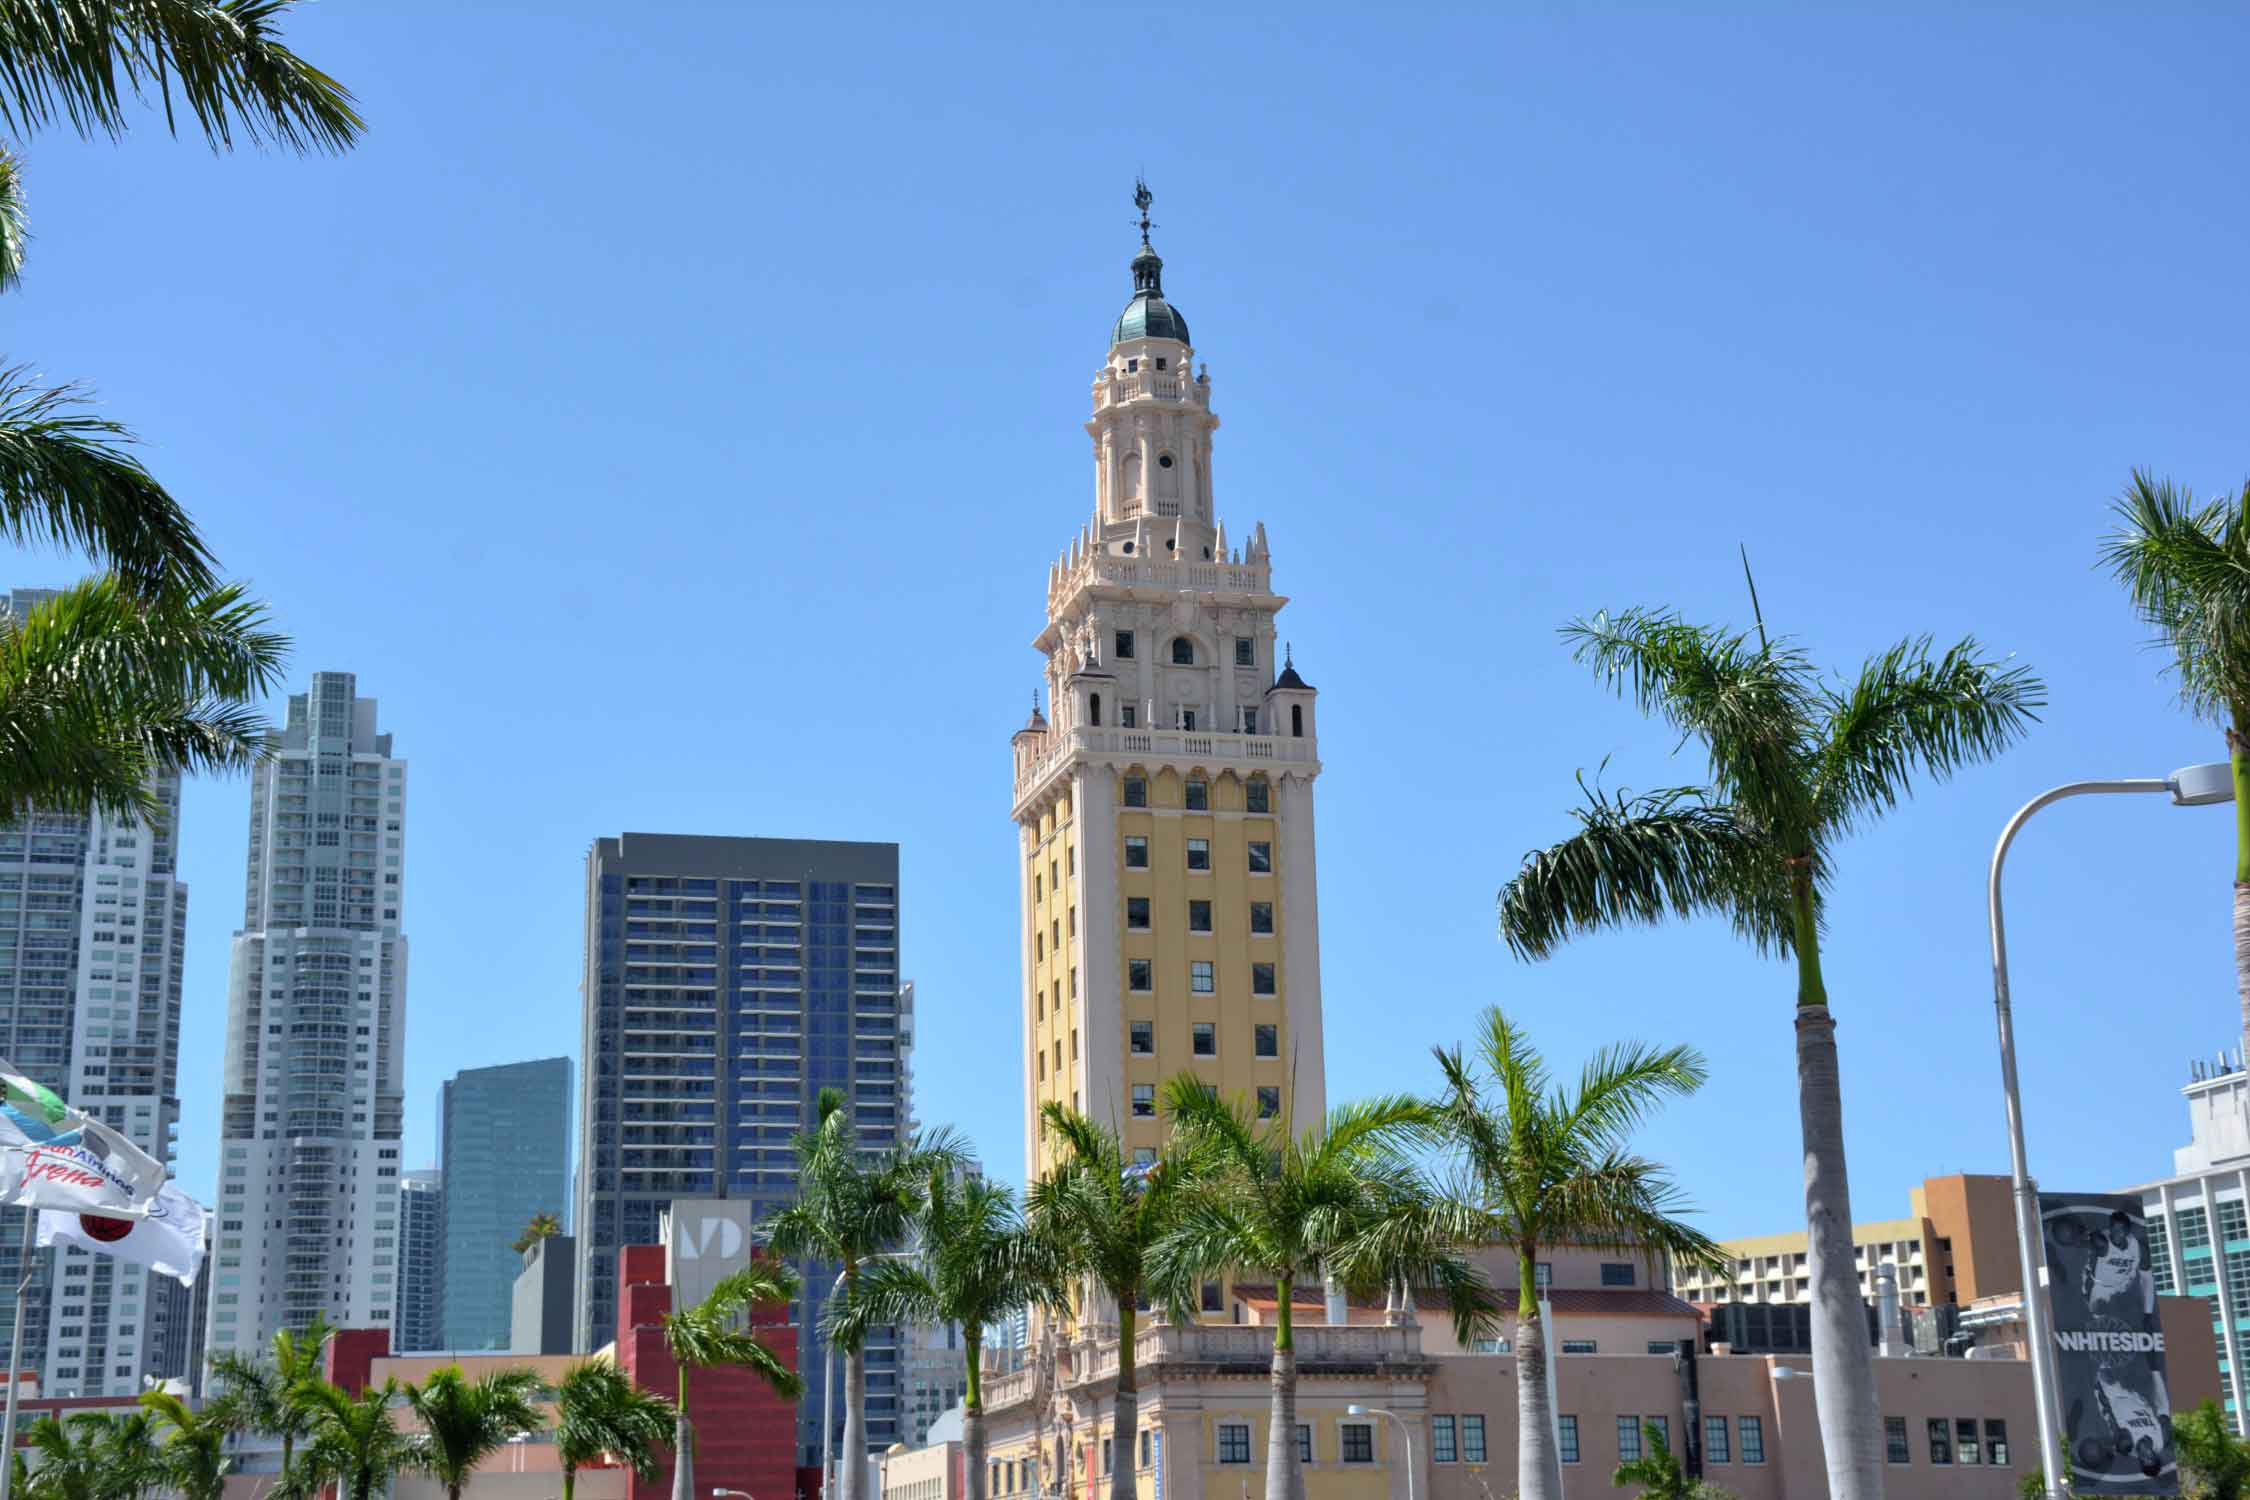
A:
(308, 1214)
(1165, 808)
(419, 1323)
(729, 981)
(93, 924)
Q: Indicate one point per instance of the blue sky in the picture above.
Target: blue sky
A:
(670, 412)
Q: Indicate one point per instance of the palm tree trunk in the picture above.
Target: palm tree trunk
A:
(972, 1414)
(852, 1462)
(2238, 752)
(1284, 1480)
(570, 1482)
(1843, 1361)
(1538, 1465)
(1124, 1426)
(683, 1457)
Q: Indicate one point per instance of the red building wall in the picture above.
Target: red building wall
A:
(746, 1436)
(351, 1355)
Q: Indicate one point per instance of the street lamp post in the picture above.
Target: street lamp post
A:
(2195, 786)
(828, 1381)
(725, 1494)
(1406, 1436)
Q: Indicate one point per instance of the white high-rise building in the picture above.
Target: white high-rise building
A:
(316, 1034)
(92, 926)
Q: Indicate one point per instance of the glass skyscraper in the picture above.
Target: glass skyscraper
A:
(93, 923)
(728, 981)
(418, 1324)
(505, 1137)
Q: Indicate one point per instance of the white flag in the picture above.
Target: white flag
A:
(168, 1238)
(53, 1156)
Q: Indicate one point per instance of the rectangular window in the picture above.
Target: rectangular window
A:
(1199, 796)
(1136, 792)
(1896, 1448)
(1245, 651)
(1199, 854)
(1234, 1442)
(1249, 721)
(1136, 852)
(1472, 1438)
(1137, 975)
(1664, 1346)
(1941, 1441)
(1566, 1430)
(1122, 646)
(1617, 1273)
(1257, 797)
(1966, 1448)
(1213, 1297)
(1663, 1426)
(1261, 916)
(1144, 1101)
(1128, 716)
(1206, 1040)
(1106, 1455)
(1441, 1441)
(1715, 1448)
(1359, 1442)
(1628, 1439)
(1136, 911)
(1996, 1441)
(1304, 1442)
(1201, 980)
(1261, 979)
(1261, 857)
(1579, 1346)
(1269, 1101)
(1753, 1437)
(1199, 916)
(1542, 1274)
(1144, 1447)
(1144, 1038)
(1266, 1040)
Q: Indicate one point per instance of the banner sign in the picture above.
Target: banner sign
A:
(168, 1240)
(53, 1156)
(2109, 1345)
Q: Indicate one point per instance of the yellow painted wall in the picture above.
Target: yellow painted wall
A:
(1051, 853)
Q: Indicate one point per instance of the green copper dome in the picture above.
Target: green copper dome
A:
(1148, 315)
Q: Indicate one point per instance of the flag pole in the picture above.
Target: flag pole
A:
(15, 1358)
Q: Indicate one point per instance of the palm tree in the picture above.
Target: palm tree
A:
(974, 1263)
(465, 1422)
(1105, 1214)
(1794, 765)
(1550, 1167)
(1659, 1474)
(2186, 565)
(194, 1461)
(91, 1456)
(353, 1443)
(543, 1226)
(598, 1411)
(264, 1392)
(1298, 1208)
(707, 1334)
(103, 691)
(853, 1205)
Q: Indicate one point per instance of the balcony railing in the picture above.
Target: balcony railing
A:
(1166, 743)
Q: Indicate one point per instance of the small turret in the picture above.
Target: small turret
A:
(1289, 702)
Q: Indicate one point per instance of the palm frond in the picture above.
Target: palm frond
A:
(1623, 1082)
(14, 225)
(67, 480)
(2186, 567)
(1906, 713)
(1638, 860)
(87, 61)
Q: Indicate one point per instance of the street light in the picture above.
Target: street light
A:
(1357, 1410)
(2193, 786)
(828, 1382)
(724, 1494)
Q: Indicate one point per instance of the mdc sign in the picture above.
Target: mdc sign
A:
(704, 1240)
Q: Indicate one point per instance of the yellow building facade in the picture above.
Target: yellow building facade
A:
(1164, 797)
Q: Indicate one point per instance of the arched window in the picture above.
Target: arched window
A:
(1296, 721)
(1095, 703)
(1132, 476)
(1183, 651)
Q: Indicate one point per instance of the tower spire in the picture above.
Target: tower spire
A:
(1148, 266)
(1142, 198)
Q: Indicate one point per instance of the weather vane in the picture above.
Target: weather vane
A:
(1142, 198)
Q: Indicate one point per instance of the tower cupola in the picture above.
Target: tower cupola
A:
(1148, 315)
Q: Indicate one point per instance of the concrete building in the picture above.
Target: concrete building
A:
(419, 1323)
(1954, 1429)
(308, 1213)
(93, 930)
(933, 1378)
(544, 1311)
(1957, 1244)
(504, 1143)
(1165, 810)
(728, 981)
(2199, 1216)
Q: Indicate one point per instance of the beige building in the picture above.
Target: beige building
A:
(1164, 801)
(1957, 1244)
